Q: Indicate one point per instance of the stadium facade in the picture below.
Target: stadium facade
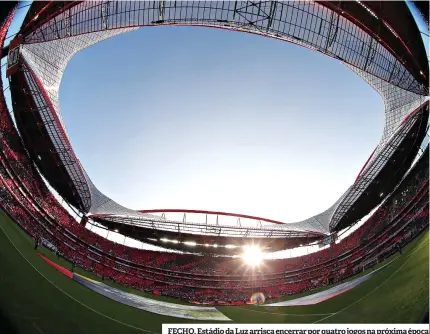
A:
(377, 40)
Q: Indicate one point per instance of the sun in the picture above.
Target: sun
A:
(252, 255)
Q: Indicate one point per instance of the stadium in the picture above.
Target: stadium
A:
(371, 264)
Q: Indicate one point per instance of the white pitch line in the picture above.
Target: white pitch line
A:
(86, 306)
(358, 300)
(310, 314)
(289, 314)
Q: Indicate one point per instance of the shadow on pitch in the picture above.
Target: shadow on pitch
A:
(6, 325)
(425, 318)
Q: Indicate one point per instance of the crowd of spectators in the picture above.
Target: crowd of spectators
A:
(200, 279)
(163, 273)
(203, 279)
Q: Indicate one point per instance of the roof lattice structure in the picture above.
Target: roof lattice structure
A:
(363, 36)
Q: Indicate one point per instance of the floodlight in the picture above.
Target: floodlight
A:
(190, 243)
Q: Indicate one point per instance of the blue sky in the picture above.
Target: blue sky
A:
(197, 118)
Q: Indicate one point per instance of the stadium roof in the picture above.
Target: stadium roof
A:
(207, 231)
(378, 40)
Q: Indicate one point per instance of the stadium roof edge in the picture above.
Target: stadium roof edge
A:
(394, 37)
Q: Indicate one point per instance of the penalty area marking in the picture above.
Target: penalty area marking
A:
(376, 288)
(86, 306)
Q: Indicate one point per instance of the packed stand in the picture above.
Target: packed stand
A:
(204, 279)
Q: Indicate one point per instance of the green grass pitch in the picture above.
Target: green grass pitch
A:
(35, 298)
